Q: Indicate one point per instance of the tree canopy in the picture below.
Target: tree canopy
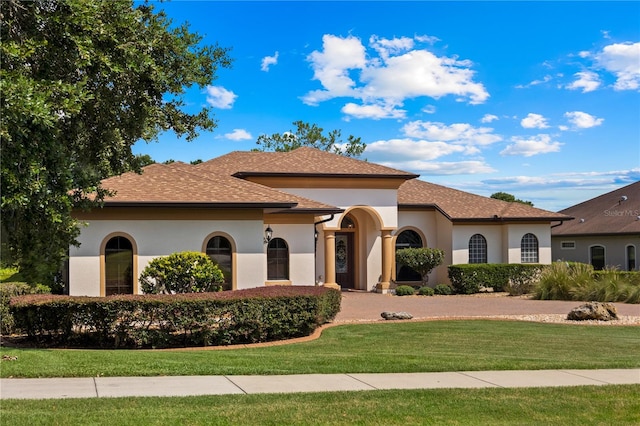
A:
(311, 135)
(80, 83)
(504, 196)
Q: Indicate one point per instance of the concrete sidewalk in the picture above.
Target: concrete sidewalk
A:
(107, 387)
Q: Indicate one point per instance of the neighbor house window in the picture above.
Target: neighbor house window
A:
(219, 250)
(597, 255)
(118, 262)
(529, 249)
(631, 258)
(408, 239)
(277, 260)
(477, 249)
(568, 245)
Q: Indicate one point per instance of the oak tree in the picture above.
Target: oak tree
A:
(81, 81)
(312, 136)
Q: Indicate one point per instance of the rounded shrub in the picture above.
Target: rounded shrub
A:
(442, 289)
(404, 290)
(425, 291)
(182, 272)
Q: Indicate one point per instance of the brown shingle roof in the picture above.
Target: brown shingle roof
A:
(605, 214)
(460, 205)
(303, 161)
(179, 183)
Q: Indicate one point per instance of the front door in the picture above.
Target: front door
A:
(345, 274)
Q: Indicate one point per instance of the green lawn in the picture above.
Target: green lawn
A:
(588, 405)
(373, 348)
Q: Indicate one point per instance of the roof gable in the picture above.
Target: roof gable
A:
(616, 212)
(304, 161)
(460, 205)
(179, 183)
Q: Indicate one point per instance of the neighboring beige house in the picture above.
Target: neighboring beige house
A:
(605, 232)
(296, 218)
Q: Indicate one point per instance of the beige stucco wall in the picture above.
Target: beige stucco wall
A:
(503, 241)
(299, 238)
(163, 237)
(383, 201)
(515, 233)
(615, 249)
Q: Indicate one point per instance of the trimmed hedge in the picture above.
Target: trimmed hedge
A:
(516, 278)
(194, 319)
(13, 289)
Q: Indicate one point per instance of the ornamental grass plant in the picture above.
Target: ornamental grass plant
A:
(579, 281)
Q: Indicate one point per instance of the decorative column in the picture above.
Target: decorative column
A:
(387, 262)
(330, 260)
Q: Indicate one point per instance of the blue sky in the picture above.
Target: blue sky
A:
(538, 99)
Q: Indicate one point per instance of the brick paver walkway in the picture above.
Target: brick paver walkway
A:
(361, 306)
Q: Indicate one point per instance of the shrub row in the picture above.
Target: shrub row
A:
(195, 319)
(13, 289)
(407, 290)
(515, 278)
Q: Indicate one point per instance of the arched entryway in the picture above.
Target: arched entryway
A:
(358, 251)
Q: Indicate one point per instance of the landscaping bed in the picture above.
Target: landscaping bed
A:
(196, 319)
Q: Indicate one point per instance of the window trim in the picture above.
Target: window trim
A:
(604, 255)
(423, 240)
(486, 249)
(635, 257)
(287, 276)
(525, 252)
(103, 265)
(234, 263)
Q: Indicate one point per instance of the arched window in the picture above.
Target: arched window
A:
(529, 249)
(477, 249)
(219, 250)
(118, 262)
(277, 260)
(597, 255)
(348, 223)
(631, 258)
(408, 239)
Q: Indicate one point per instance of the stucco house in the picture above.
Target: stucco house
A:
(302, 217)
(605, 232)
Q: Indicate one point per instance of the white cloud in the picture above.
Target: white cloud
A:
(427, 39)
(375, 112)
(429, 109)
(267, 61)
(331, 67)
(219, 97)
(534, 121)
(588, 81)
(545, 79)
(395, 72)
(459, 133)
(443, 168)
(407, 148)
(238, 135)
(540, 144)
(623, 60)
(582, 120)
(488, 118)
(386, 47)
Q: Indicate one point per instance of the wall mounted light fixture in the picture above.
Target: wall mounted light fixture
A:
(268, 234)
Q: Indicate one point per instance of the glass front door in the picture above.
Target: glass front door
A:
(345, 275)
